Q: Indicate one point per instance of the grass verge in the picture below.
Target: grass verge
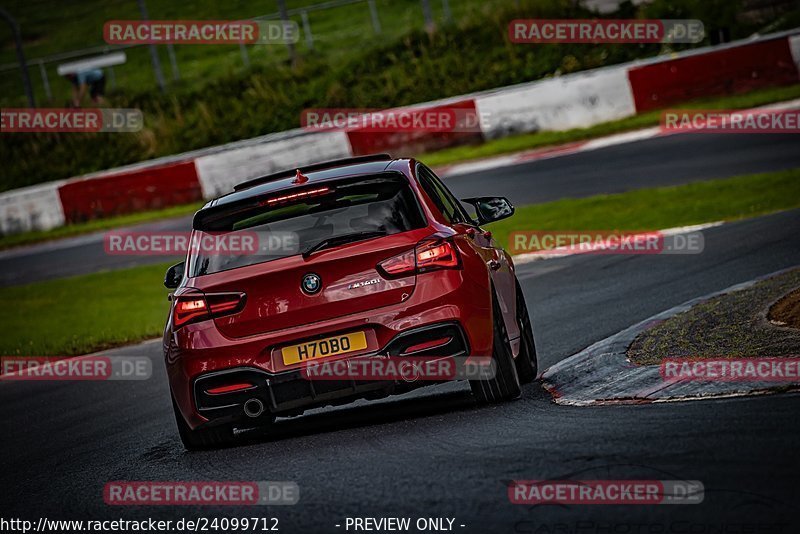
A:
(663, 207)
(516, 143)
(83, 314)
(93, 312)
(727, 326)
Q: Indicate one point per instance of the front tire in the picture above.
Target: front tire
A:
(505, 384)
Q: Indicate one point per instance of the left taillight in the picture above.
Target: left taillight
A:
(196, 306)
(428, 255)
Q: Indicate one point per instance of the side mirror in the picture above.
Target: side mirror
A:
(174, 276)
(490, 209)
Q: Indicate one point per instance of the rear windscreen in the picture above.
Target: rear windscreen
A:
(289, 222)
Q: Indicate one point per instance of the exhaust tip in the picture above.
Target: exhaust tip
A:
(253, 408)
(409, 375)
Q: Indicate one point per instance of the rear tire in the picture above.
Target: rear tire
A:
(505, 384)
(202, 438)
(527, 367)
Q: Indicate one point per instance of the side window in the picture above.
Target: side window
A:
(459, 214)
(426, 180)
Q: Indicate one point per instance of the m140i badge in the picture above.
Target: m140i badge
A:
(311, 283)
(356, 285)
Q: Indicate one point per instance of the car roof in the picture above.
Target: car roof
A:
(362, 165)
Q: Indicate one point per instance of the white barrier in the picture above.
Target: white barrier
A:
(31, 208)
(794, 46)
(219, 172)
(97, 62)
(605, 7)
(572, 101)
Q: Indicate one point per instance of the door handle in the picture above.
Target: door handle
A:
(493, 264)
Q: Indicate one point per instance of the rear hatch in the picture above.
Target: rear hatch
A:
(318, 248)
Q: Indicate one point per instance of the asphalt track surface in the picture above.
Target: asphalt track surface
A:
(670, 160)
(432, 453)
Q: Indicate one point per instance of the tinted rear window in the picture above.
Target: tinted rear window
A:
(284, 225)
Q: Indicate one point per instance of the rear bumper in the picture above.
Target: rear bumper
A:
(197, 351)
(291, 393)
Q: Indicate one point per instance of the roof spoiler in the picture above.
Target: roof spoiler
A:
(288, 173)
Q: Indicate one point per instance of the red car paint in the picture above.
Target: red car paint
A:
(277, 313)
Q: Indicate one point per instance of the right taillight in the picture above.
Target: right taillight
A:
(196, 306)
(426, 256)
(436, 255)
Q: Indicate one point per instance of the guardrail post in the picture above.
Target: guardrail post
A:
(307, 30)
(112, 77)
(245, 55)
(428, 14)
(45, 81)
(173, 63)
(448, 15)
(153, 53)
(23, 65)
(373, 13)
(285, 18)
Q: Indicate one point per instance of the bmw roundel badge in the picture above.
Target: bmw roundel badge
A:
(311, 284)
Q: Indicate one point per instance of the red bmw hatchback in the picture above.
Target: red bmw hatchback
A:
(368, 257)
